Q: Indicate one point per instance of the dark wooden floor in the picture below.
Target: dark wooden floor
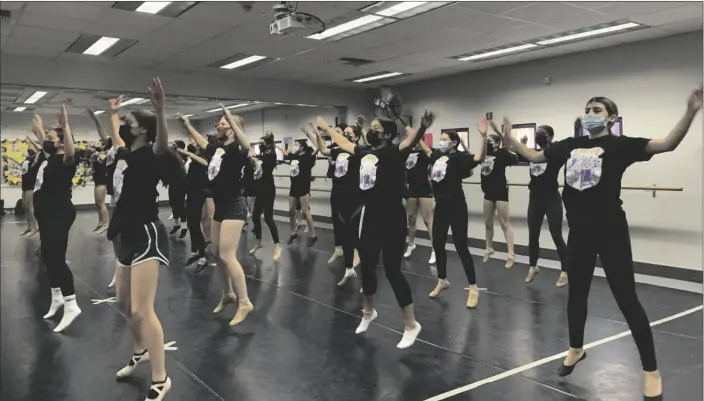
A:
(299, 345)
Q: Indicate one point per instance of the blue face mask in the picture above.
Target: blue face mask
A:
(445, 146)
(594, 124)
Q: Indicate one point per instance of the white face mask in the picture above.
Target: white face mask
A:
(446, 146)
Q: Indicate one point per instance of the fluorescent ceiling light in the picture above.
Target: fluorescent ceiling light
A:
(20, 109)
(98, 112)
(229, 107)
(589, 33)
(347, 26)
(100, 45)
(135, 100)
(152, 7)
(244, 61)
(399, 8)
(498, 52)
(375, 77)
(306, 105)
(35, 96)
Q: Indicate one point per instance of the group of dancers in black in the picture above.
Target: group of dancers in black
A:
(369, 166)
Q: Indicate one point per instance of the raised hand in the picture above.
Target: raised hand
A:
(114, 104)
(183, 118)
(37, 123)
(360, 120)
(321, 123)
(506, 132)
(427, 119)
(156, 92)
(482, 127)
(63, 116)
(303, 130)
(695, 99)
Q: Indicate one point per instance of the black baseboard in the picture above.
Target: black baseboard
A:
(648, 269)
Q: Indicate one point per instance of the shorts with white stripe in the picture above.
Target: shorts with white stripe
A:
(144, 242)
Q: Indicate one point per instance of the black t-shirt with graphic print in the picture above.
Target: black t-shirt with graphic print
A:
(331, 162)
(381, 176)
(494, 170)
(417, 167)
(196, 176)
(110, 166)
(264, 173)
(543, 177)
(248, 175)
(447, 172)
(593, 172)
(301, 171)
(54, 182)
(345, 173)
(225, 165)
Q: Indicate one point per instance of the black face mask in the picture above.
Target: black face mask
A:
(374, 137)
(49, 146)
(126, 135)
(191, 149)
(491, 149)
(541, 139)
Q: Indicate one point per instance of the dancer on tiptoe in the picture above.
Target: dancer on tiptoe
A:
(302, 159)
(594, 166)
(420, 197)
(383, 219)
(265, 163)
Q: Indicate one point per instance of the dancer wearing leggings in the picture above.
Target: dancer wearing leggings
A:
(495, 188)
(337, 224)
(266, 194)
(226, 160)
(100, 179)
(302, 162)
(29, 166)
(345, 197)
(594, 166)
(382, 227)
(544, 201)
(449, 167)
(177, 190)
(420, 197)
(196, 183)
(55, 215)
(248, 188)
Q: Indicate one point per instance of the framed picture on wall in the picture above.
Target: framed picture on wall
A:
(428, 139)
(462, 132)
(277, 149)
(616, 129)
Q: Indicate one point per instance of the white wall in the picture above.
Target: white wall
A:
(650, 82)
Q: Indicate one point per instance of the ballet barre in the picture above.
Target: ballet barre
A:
(653, 188)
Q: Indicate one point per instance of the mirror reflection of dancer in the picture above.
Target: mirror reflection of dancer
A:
(544, 201)
(30, 167)
(302, 161)
(248, 189)
(420, 197)
(594, 166)
(449, 167)
(113, 164)
(55, 215)
(225, 162)
(177, 190)
(382, 227)
(263, 176)
(345, 197)
(495, 188)
(100, 179)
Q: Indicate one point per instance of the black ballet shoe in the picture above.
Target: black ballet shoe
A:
(565, 370)
(192, 260)
(312, 241)
(291, 238)
(184, 231)
(174, 230)
(656, 398)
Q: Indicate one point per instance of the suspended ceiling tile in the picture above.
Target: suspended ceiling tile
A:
(542, 12)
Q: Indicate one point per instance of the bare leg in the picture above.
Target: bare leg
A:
(502, 209)
(230, 232)
(412, 212)
(489, 210)
(124, 303)
(305, 209)
(228, 295)
(207, 218)
(100, 193)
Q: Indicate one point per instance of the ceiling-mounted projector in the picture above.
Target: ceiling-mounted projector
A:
(286, 19)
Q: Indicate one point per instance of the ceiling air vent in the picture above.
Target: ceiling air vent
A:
(355, 62)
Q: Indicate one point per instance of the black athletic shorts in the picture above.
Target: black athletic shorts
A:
(230, 209)
(497, 195)
(140, 243)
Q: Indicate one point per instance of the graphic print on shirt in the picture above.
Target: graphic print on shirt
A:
(242, 173)
(295, 168)
(25, 166)
(215, 162)
(537, 169)
(342, 163)
(187, 165)
(40, 176)
(367, 172)
(258, 172)
(411, 161)
(118, 179)
(439, 169)
(583, 169)
(488, 165)
(110, 157)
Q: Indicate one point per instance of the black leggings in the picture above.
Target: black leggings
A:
(610, 240)
(384, 231)
(54, 227)
(265, 202)
(177, 201)
(346, 210)
(194, 210)
(452, 213)
(540, 206)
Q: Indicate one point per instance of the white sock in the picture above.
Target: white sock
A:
(432, 258)
(364, 325)
(57, 301)
(349, 273)
(71, 312)
(409, 337)
(409, 250)
(112, 282)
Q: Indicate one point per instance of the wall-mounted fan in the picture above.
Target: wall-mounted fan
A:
(387, 103)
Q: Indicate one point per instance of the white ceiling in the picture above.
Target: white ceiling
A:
(421, 45)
